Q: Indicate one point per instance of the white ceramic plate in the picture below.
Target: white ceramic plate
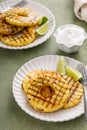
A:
(48, 62)
(42, 11)
(5, 4)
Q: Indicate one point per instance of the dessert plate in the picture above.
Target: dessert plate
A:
(6, 4)
(42, 11)
(48, 62)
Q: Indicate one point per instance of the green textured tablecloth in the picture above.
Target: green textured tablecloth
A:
(11, 116)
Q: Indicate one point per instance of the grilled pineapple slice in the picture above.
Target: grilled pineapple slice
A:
(6, 28)
(27, 37)
(21, 16)
(46, 90)
(30, 75)
(76, 92)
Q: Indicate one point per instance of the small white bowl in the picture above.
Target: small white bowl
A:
(70, 37)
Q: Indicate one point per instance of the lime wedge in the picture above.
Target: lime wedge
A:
(42, 29)
(73, 73)
(61, 66)
(42, 20)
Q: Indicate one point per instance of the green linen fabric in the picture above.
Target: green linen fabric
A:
(11, 115)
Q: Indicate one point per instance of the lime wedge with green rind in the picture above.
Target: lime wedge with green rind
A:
(42, 20)
(73, 73)
(61, 66)
(42, 30)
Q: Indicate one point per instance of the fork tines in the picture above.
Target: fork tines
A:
(81, 69)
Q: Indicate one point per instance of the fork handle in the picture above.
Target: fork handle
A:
(85, 102)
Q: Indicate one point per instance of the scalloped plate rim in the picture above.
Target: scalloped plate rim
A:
(41, 117)
(41, 39)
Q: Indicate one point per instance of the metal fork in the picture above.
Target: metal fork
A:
(82, 70)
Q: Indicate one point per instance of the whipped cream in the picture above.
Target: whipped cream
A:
(70, 35)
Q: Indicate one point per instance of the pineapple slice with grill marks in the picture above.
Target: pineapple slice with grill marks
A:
(46, 90)
(30, 75)
(76, 92)
(6, 28)
(21, 16)
(26, 37)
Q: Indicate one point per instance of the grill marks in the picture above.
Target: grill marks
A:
(65, 92)
(59, 90)
(27, 36)
(76, 92)
(21, 16)
(49, 101)
(6, 28)
(16, 21)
